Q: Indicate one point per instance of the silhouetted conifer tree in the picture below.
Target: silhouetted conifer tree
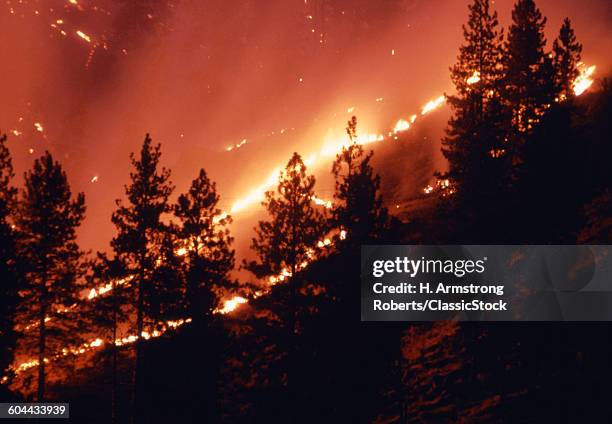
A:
(476, 141)
(165, 296)
(47, 219)
(140, 237)
(209, 258)
(286, 241)
(566, 56)
(529, 72)
(8, 276)
(206, 262)
(283, 245)
(358, 207)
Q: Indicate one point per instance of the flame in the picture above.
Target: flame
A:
(257, 194)
(474, 78)
(96, 343)
(231, 304)
(584, 80)
(93, 293)
(432, 105)
(321, 202)
(401, 125)
(330, 148)
(220, 217)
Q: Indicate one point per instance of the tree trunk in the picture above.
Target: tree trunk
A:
(293, 348)
(138, 345)
(41, 342)
(114, 358)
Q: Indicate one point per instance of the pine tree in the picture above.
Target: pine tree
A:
(358, 207)
(8, 276)
(529, 73)
(140, 233)
(566, 56)
(285, 242)
(283, 245)
(475, 145)
(164, 297)
(209, 258)
(52, 263)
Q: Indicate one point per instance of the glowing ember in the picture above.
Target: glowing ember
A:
(237, 145)
(474, 78)
(325, 203)
(96, 343)
(94, 179)
(83, 35)
(38, 127)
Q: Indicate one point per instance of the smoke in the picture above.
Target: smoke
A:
(201, 76)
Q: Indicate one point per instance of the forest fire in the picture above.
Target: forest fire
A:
(581, 84)
(219, 263)
(331, 148)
